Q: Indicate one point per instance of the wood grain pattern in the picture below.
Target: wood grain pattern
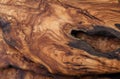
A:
(65, 37)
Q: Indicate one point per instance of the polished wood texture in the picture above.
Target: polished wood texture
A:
(59, 37)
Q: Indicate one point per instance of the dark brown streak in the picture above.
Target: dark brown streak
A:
(21, 74)
(84, 12)
(81, 44)
(5, 26)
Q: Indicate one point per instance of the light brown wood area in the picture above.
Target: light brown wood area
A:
(59, 39)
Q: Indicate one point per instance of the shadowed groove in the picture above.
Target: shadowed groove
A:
(97, 32)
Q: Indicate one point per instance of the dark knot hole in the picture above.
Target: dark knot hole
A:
(100, 38)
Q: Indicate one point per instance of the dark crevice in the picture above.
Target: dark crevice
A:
(117, 25)
(100, 41)
(5, 26)
(90, 33)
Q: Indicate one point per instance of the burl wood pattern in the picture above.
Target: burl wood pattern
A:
(59, 37)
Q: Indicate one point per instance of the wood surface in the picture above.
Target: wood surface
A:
(59, 39)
